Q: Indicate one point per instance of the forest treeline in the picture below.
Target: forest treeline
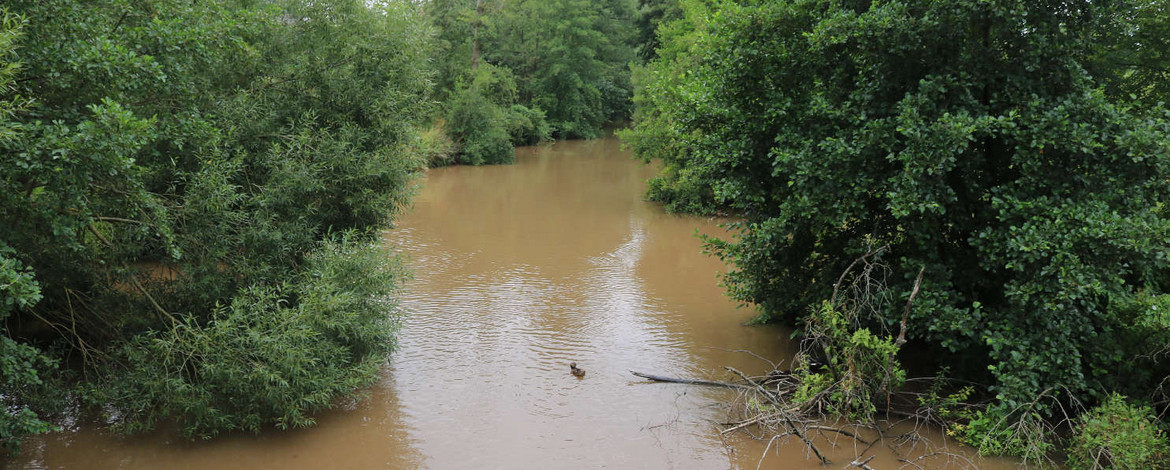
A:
(517, 72)
(191, 193)
(986, 180)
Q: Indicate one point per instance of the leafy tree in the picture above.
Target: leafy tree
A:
(652, 13)
(477, 122)
(22, 366)
(1131, 53)
(193, 189)
(570, 59)
(966, 136)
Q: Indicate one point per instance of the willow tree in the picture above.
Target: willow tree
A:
(968, 139)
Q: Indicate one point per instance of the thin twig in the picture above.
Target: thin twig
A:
(838, 431)
(863, 464)
(769, 446)
(841, 279)
(757, 356)
(752, 421)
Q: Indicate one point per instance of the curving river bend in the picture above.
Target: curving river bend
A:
(519, 270)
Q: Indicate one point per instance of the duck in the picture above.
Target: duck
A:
(578, 373)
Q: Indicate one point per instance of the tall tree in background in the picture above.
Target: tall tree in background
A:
(1131, 53)
(651, 14)
(568, 60)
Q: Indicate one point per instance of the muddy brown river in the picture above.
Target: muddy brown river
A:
(518, 271)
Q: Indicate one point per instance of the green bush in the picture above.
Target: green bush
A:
(861, 367)
(180, 211)
(1026, 435)
(1119, 435)
(526, 126)
(436, 148)
(263, 359)
(477, 123)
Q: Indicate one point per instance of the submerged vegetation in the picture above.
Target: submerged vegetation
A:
(1007, 160)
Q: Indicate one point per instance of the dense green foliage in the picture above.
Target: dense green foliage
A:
(485, 119)
(1119, 435)
(21, 366)
(970, 138)
(476, 119)
(566, 63)
(191, 192)
(1131, 53)
(861, 366)
(651, 14)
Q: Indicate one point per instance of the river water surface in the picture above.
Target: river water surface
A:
(519, 270)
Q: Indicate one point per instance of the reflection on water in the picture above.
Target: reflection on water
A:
(520, 270)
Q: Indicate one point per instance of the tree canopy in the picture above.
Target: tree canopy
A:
(564, 64)
(191, 192)
(970, 141)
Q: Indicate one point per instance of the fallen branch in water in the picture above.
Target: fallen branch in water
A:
(711, 383)
(769, 403)
(862, 464)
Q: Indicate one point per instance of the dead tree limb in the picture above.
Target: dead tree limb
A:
(757, 419)
(807, 442)
(755, 386)
(906, 314)
(862, 464)
(953, 456)
(841, 279)
(839, 431)
(769, 446)
(712, 383)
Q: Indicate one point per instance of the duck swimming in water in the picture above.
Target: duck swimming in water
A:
(578, 373)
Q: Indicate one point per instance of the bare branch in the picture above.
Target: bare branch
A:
(906, 315)
(659, 378)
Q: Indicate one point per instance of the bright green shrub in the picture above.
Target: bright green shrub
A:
(1119, 435)
(436, 148)
(477, 122)
(526, 126)
(861, 369)
(263, 359)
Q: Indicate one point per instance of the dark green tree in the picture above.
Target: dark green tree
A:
(1131, 51)
(967, 137)
(193, 194)
(652, 13)
(570, 59)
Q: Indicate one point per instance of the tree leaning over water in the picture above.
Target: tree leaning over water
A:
(968, 139)
(191, 196)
